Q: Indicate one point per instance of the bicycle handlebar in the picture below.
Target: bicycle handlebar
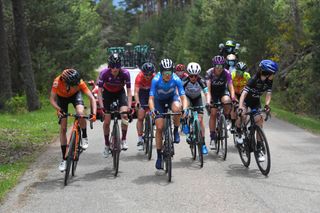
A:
(76, 116)
(260, 110)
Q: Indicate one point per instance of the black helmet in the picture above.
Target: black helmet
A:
(71, 77)
(230, 46)
(166, 65)
(114, 60)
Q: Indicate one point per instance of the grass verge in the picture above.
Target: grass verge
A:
(305, 122)
(21, 136)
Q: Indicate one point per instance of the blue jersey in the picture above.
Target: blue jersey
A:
(162, 90)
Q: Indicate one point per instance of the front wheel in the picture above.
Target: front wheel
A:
(116, 148)
(70, 157)
(262, 152)
(222, 138)
(244, 151)
(199, 142)
(150, 137)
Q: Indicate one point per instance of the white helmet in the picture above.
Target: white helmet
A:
(193, 68)
(166, 65)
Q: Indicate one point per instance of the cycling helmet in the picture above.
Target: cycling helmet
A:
(193, 68)
(230, 43)
(241, 66)
(218, 60)
(114, 60)
(166, 65)
(180, 68)
(71, 77)
(148, 68)
(268, 66)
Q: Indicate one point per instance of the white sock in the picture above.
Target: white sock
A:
(140, 138)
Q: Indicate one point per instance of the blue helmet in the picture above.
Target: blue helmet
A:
(268, 66)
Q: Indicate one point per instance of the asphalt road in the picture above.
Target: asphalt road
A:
(293, 184)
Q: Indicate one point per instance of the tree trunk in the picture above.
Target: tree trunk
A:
(297, 23)
(159, 7)
(24, 55)
(5, 74)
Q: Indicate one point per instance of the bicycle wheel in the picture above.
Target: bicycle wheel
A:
(168, 152)
(146, 136)
(223, 137)
(116, 148)
(69, 157)
(199, 143)
(244, 149)
(150, 137)
(264, 165)
(75, 162)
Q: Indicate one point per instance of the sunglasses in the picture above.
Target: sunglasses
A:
(148, 74)
(219, 66)
(193, 76)
(167, 73)
(118, 66)
(265, 73)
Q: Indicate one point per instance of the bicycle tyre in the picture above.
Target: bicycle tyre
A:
(199, 141)
(69, 157)
(223, 139)
(75, 164)
(168, 158)
(244, 149)
(116, 148)
(150, 137)
(264, 169)
(146, 136)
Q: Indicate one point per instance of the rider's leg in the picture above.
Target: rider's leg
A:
(63, 137)
(106, 129)
(212, 123)
(226, 100)
(141, 114)
(176, 107)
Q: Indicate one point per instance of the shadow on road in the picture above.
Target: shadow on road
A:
(160, 178)
(241, 171)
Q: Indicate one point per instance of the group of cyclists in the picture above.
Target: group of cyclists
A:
(227, 82)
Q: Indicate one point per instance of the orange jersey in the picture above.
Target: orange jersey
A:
(59, 87)
(239, 82)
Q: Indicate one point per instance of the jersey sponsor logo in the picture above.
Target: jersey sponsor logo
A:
(218, 83)
(161, 91)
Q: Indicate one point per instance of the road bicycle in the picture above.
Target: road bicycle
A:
(74, 148)
(115, 141)
(195, 134)
(252, 134)
(221, 141)
(168, 147)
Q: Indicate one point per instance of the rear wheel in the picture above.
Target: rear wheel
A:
(69, 157)
(262, 151)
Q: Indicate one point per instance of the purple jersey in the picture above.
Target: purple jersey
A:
(114, 83)
(219, 84)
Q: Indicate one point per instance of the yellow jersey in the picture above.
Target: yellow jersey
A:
(239, 82)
